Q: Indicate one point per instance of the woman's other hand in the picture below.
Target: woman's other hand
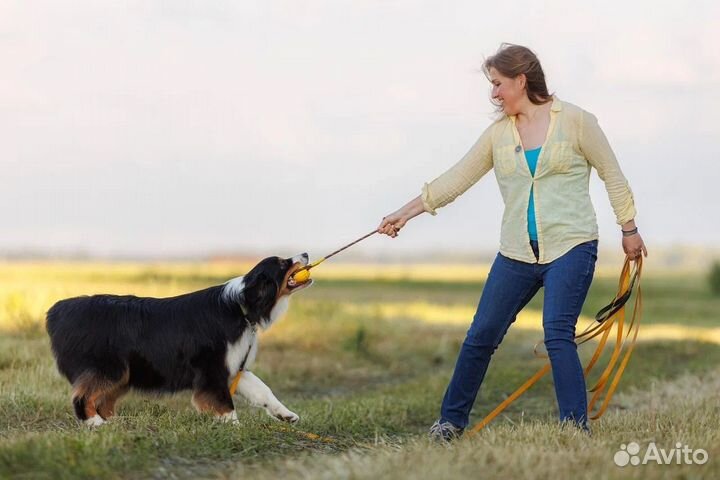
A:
(633, 244)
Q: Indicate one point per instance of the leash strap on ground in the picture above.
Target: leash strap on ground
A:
(611, 315)
(308, 435)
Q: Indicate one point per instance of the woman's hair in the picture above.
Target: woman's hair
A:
(512, 60)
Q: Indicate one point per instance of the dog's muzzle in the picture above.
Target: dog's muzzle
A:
(299, 261)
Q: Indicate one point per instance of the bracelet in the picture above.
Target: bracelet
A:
(629, 233)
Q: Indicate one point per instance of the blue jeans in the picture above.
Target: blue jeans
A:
(511, 284)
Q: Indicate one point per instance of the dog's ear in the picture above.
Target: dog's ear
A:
(260, 294)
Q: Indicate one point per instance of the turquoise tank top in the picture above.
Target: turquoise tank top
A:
(531, 156)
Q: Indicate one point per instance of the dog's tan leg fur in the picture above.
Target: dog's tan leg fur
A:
(98, 395)
(204, 401)
(105, 403)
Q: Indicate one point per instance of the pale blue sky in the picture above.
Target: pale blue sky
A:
(168, 127)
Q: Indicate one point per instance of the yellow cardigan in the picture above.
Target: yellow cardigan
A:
(563, 212)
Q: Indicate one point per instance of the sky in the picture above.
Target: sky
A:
(189, 127)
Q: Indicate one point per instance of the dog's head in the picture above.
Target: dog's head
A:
(267, 287)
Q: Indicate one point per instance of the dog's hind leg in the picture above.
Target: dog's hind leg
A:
(92, 389)
(260, 395)
(105, 403)
(86, 389)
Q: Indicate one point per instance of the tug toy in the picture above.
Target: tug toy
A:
(302, 275)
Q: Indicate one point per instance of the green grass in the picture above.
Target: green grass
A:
(370, 382)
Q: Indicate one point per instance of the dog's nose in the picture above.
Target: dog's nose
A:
(301, 258)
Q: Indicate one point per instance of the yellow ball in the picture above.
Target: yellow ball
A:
(302, 276)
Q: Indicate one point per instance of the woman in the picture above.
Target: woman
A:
(542, 150)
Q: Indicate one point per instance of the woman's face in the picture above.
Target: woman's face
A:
(510, 92)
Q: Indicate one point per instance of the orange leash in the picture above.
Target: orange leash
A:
(611, 315)
(234, 384)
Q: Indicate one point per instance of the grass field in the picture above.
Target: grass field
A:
(363, 357)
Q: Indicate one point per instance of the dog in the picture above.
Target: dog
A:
(106, 345)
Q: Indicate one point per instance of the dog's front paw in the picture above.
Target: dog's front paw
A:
(291, 418)
(286, 415)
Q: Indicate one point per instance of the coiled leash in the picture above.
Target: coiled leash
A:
(611, 315)
(236, 380)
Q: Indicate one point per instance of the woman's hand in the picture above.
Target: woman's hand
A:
(633, 246)
(392, 223)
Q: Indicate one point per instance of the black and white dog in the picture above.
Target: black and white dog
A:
(108, 344)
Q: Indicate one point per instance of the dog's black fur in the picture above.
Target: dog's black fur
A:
(107, 344)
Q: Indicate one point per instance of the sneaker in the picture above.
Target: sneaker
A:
(444, 431)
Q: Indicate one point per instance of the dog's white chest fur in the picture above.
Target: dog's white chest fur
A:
(280, 308)
(242, 352)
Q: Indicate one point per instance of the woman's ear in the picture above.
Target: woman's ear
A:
(522, 81)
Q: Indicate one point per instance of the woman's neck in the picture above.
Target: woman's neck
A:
(528, 111)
